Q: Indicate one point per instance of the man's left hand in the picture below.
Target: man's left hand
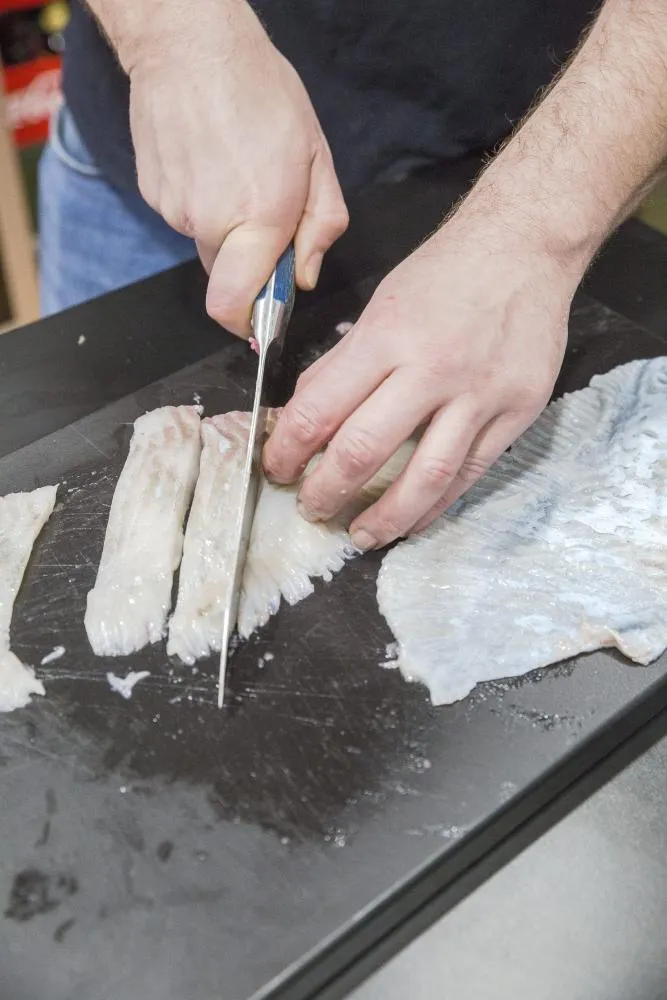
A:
(466, 336)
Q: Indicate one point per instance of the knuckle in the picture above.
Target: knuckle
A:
(356, 451)
(387, 527)
(304, 421)
(532, 397)
(190, 219)
(338, 221)
(472, 469)
(186, 223)
(148, 192)
(313, 499)
(438, 471)
(224, 303)
(437, 509)
(172, 214)
(431, 376)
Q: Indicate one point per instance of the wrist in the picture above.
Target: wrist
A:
(537, 219)
(143, 33)
(502, 226)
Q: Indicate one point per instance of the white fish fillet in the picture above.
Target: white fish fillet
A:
(285, 554)
(560, 549)
(128, 607)
(22, 517)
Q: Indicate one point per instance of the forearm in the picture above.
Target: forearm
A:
(581, 161)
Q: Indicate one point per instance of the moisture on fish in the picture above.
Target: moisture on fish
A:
(22, 517)
(560, 549)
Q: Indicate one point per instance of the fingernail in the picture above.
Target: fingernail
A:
(270, 471)
(306, 513)
(363, 541)
(313, 268)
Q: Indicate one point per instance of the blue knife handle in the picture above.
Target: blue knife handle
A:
(284, 283)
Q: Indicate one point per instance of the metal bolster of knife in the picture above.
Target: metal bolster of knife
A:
(270, 319)
(274, 303)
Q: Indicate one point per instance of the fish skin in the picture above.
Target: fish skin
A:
(285, 554)
(128, 607)
(22, 517)
(560, 549)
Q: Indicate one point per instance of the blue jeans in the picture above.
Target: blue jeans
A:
(94, 238)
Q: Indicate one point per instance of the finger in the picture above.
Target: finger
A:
(363, 444)
(486, 449)
(241, 268)
(325, 218)
(427, 477)
(316, 368)
(315, 413)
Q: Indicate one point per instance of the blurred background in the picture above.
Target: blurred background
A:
(32, 39)
(31, 43)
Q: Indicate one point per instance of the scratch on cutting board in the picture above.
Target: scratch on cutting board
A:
(90, 443)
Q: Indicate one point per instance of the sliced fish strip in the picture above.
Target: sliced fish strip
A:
(196, 625)
(286, 553)
(22, 517)
(130, 602)
(560, 549)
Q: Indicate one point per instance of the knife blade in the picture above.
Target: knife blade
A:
(270, 318)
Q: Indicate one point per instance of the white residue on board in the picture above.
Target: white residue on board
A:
(55, 654)
(390, 655)
(81, 341)
(196, 398)
(344, 327)
(125, 685)
(264, 659)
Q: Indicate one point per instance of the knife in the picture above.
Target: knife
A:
(270, 318)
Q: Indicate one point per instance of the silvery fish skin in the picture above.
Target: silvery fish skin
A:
(286, 553)
(129, 604)
(560, 549)
(22, 517)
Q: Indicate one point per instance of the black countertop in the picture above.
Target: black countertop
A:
(158, 848)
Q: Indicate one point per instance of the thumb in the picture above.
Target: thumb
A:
(240, 270)
(324, 219)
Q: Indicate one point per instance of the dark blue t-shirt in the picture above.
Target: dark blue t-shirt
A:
(395, 83)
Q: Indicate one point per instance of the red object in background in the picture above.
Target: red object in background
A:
(7, 5)
(31, 65)
(32, 93)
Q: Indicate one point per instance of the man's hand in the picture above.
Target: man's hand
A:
(466, 335)
(229, 149)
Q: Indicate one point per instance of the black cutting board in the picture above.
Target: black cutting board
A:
(161, 848)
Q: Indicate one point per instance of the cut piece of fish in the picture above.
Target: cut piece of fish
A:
(22, 517)
(285, 554)
(129, 604)
(560, 549)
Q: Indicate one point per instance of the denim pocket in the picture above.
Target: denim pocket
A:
(67, 144)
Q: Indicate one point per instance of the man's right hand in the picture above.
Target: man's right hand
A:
(229, 149)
